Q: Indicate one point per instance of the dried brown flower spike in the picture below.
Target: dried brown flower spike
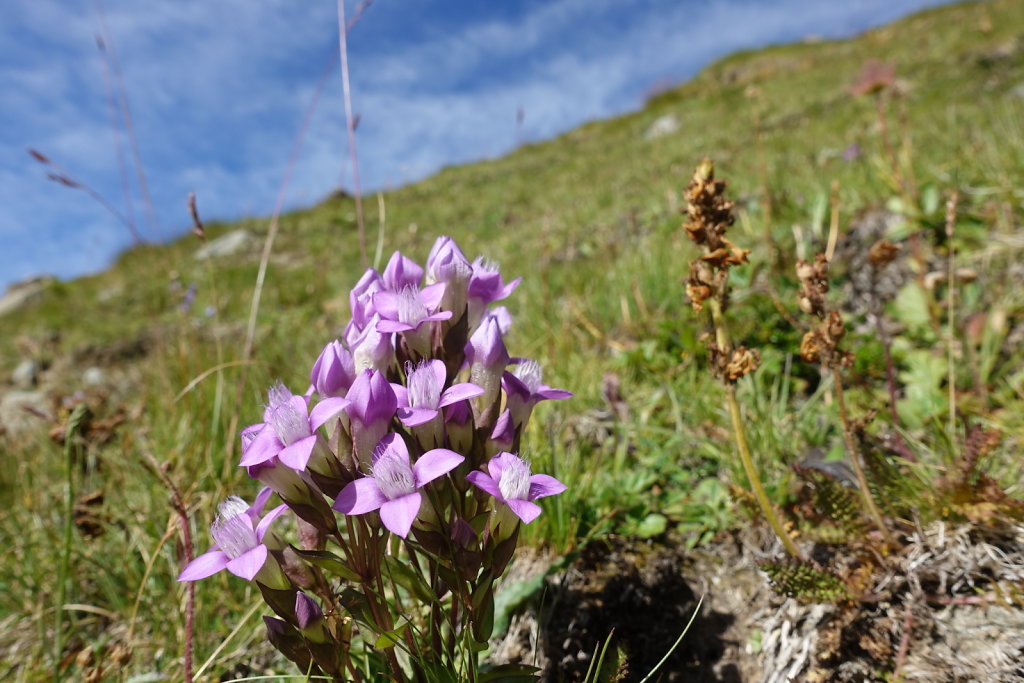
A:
(710, 215)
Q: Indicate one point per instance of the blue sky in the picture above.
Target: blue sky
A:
(217, 89)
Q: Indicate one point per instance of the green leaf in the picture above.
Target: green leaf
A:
(404, 576)
(651, 526)
(329, 562)
(510, 673)
(511, 597)
(392, 637)
(911, 307)
(922, 378)
(929, 199)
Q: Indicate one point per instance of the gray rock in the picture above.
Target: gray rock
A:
(232, 243)
(93, 376)
(26, 375)
(663, 125)
(23, 293)
(20, 412)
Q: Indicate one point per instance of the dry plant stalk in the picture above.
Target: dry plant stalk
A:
(710, 215)
(821, 344)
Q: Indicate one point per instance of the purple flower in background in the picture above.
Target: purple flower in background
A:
(525, 390)
(401, 272)
(333, 372)
(851, 153)
(509, 480)
(372, 404)
(238, 540)
(425, 395)
(485, 287)
(190, 298)
(393, 485)
(289, 429)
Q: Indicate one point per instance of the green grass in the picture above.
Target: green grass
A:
(591, 221)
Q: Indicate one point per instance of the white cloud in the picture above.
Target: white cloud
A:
(217, 90)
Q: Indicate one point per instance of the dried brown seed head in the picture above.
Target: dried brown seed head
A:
(809, 350)
(882, 253)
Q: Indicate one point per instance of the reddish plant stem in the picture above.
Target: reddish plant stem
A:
(126, 116)
(119, 153)
(178, 503)
(901, 654)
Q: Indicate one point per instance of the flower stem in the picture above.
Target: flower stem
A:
(722, 339)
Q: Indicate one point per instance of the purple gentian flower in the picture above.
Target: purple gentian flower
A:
(393, 485)
(372, 404)
(288, 430)
(502, 435)
(333, 372)
(409, 308)
(360, 299)
(425, 395)
(372, 350)
(524, 389)
(401, 272)
(487, 357)
(485, 287)
(238, 540)
(509, 480)
(446, 263)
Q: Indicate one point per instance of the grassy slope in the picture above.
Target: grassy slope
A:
(590, 219)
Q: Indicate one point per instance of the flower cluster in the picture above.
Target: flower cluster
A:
(404, 447)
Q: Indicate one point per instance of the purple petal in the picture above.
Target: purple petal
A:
(440, 315)
(398, 514)
(207, 564)
(248, 564)
(412, 417)
(431, 295)
(326, 410)
(264, 525)
(440, 372)
(553, 394)
(392, 326)
(513, 385)
(434, 464)
(496, 465)
(297, 455)
(402, 394)
(459, 392)
(503, 430)
(359, 497)
(544, 485)
(307, 611)
(386, 304)
(264, 447)
(371, 398)
(260, 502)
(524, 510)
(401, 272)
(508, 289)
(484, 482)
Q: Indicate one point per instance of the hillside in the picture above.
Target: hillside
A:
(591, 220)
